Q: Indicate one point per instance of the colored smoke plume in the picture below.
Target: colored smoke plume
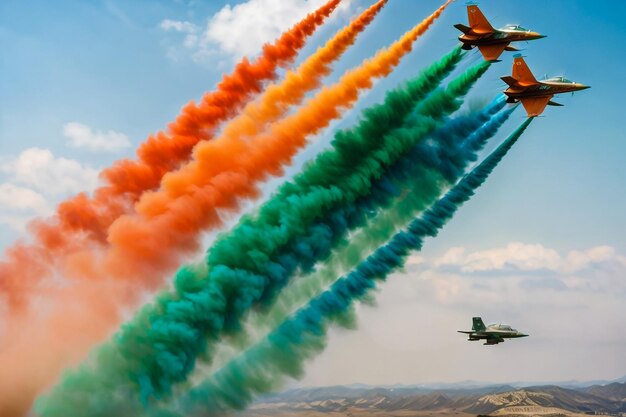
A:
(288, 133)
(282, 354)
(83, 220)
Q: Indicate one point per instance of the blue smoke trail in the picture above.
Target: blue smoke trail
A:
(316, 245)
(282, 353)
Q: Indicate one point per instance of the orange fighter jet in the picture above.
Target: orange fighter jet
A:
(535, 95)
(491, 42)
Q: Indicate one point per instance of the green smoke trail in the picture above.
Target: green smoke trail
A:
(282, 353)
(160, 346)
(331, 182)
(419, 195)
(453, 159)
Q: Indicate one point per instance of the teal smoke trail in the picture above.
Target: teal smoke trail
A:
(248, 250)
(296, 294)
(455, 145)
(384, 225)
(159, 347)
(283, 352)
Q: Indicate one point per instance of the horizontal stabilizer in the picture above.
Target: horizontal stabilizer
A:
(512, 82)
(511, 49)
(463, 28)
(554, 103)
(464, 332)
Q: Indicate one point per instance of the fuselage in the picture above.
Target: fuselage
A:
(504, 334)
(492, 334)
(499, 36)
(544, 88)
(495, 333)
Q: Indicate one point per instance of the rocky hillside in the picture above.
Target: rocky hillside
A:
(493, 400)
(614, 391)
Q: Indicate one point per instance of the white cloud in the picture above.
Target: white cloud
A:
(454, 256)
(241, 30)
(178, 26)
(15, 222)
(414, 259)
(578, 260)
(81, 136)
(191, 31)
(19, 204)
(41, 170)
(35, 181)
(572, 303)
(244, 28)
(15, 198)
(527, 257)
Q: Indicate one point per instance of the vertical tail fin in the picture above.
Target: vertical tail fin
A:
(521, 72)
(477, 20)
(477, 324)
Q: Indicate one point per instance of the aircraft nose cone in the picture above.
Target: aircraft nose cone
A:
(583, 87)
(523, 335)
(537, 35)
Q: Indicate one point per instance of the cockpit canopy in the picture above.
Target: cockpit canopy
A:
(505, 327)
(559, 80)
(517, 28)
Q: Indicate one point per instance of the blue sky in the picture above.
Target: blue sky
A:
(120, 73)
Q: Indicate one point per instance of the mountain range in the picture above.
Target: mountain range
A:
(461, 400)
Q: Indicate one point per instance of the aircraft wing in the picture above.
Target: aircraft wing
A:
(465, 332)
(535, 105)
(492, 52)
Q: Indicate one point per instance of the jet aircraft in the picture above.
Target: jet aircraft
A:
(535, 95)
(492, 334)
(491, 42)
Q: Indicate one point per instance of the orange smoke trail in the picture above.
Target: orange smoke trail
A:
(40, 347)
(168, 222)
(83, 221)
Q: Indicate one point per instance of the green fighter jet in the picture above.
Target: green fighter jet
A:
(492, 334)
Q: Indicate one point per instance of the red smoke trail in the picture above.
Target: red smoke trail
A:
(83, 221)
(146, 246)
